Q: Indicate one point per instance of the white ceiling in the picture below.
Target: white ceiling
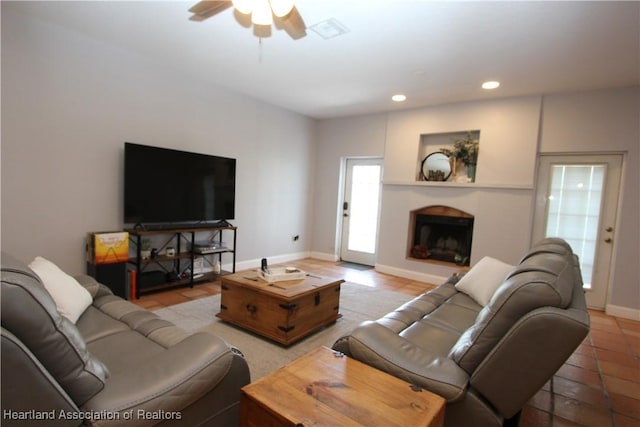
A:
(434, 52)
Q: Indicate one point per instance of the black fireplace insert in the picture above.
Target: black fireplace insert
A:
(442, 238)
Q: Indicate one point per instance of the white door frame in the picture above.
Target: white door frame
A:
(597, 296)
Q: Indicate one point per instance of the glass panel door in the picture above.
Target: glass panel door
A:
(360, 210)
(577, 200)
(574, 210)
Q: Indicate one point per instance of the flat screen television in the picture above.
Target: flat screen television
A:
(169, 186)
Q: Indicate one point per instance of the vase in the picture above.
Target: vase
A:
(471, 172)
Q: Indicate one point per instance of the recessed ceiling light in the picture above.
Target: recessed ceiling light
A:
(398, 98)
(490, 85)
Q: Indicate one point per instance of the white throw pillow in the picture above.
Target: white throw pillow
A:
(483, 279)
(71, 298)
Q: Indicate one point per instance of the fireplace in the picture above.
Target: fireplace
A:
(440, 234)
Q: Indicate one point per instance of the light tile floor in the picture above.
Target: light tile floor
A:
(598, 386)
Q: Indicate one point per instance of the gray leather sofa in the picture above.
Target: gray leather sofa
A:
(119, 365)
(487, 362)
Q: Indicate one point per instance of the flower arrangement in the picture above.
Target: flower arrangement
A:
(465, 150)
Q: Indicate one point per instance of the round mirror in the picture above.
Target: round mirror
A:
(436, 167)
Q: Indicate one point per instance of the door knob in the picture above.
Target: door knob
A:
(608, 240)
(609, 229)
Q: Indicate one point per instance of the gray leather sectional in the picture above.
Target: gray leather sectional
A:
(487, 362)
(119, 365)
(122, 365)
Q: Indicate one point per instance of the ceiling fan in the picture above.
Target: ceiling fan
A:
(261, 13)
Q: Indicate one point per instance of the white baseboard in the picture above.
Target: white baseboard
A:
(612, 310)
(277, 259)
(413, 275)
(324, 256)
(624, 312)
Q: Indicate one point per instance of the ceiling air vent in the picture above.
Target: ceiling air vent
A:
(329, 28)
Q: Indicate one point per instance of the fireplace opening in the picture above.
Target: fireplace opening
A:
(441, 233)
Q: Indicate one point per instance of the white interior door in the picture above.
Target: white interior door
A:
(577, 200)
(361, 207)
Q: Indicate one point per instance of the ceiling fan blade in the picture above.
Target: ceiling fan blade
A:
(207, 8)
(293, 24)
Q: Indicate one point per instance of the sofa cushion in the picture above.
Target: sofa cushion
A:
(71, 298)
(29, 312)
(417, 308)
(481, 282)
(94, 325)
(111, 315)
(438, 331)
(544, 278)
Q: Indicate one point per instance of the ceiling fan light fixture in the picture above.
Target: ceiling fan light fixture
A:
(281, 8)
(243, 6)
(261, 14)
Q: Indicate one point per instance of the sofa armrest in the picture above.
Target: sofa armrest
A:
(169, 381)
(528, 355)
(28, 386)
(95, 288)
(380, 347)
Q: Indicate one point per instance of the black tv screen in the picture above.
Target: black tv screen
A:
(162, 185)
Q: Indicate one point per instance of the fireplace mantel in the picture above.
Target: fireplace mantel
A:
(453, 185)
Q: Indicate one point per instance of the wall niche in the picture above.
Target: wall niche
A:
(434, 162)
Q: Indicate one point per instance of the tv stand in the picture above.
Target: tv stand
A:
(178, 269)
(223, 223)
(182, 226)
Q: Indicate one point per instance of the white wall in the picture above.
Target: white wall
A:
(596, 122)
(70, 102)
(500, 199)
(500, 227)
(508, 138)
(337, 139)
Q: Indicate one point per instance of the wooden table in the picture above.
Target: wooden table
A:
(282, 311)
(322, 389)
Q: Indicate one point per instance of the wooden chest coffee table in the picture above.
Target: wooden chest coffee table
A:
(282, 311)
(322, 389)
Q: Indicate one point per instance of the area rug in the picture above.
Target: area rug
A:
(357, 304)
